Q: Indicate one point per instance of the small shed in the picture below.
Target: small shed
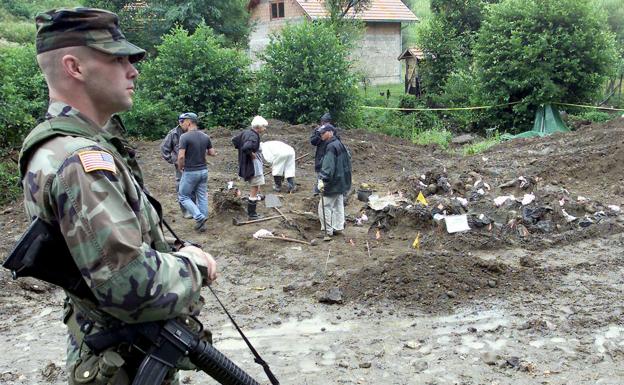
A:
(412, 57)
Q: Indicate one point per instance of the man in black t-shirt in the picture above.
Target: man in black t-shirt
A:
(194, 146)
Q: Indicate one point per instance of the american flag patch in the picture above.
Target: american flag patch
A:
(97, 160)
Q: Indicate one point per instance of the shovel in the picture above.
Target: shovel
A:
(236, 222)
(273, 201)
(311, 243)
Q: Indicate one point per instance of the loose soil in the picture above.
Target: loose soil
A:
(532, 293)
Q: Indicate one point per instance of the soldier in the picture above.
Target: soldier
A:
(79, 175)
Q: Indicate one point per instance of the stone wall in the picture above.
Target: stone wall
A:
(376, 55)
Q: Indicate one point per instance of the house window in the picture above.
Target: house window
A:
(277, 10)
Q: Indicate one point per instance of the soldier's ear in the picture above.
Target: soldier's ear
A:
(72, 66)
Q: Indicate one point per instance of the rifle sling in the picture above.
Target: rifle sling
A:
(257, 359)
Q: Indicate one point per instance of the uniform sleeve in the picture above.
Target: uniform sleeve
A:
(102, 215)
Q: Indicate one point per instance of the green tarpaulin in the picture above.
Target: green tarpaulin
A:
(547, 121)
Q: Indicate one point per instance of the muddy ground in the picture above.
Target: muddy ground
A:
(531, 294)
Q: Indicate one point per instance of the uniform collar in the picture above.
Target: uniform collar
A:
(58, 109)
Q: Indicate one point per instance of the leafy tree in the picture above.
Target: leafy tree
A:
(193, 72)
(543, 51)
(27, 9)
(146, 24)
(23, 93)
(615, 19)
(306, 72)
(447, 38)
(339, 9)
(422, 10)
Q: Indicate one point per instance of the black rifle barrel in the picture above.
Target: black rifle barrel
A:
(218, 366)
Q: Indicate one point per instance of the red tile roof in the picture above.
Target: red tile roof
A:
(379, 10)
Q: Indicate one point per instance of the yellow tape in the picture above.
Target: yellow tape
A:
(588, 106)
(485, 107)
(440, 109)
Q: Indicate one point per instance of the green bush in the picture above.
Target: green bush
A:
(150, 119)
(9, 182)
(593, 116)
(408, 101)
(401, 124)
(307, 72)
(17, 31)
(27, 9)
(22, 91)
(463, 89)
(540, 52)
(193, 73)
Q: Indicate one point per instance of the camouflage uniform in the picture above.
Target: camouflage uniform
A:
(109, 225)
(85, 179)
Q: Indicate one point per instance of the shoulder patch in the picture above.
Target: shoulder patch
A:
(93, 160)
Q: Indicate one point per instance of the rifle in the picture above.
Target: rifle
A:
(163, 342)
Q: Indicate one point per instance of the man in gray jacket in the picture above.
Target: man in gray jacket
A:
(169, 149)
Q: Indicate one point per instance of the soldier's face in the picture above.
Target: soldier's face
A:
(109, 81)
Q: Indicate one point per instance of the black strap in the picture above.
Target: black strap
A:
(257, 359)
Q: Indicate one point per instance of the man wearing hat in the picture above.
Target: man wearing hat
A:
(80, 175)
(334, 181)
(169, 152)
(194, 146)
(315, 140)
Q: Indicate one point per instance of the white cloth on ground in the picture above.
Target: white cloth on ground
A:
(281, 157)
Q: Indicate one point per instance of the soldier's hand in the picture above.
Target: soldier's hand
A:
(203, 259)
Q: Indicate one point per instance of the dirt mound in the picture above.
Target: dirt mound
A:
(437, 282)
(228, 201)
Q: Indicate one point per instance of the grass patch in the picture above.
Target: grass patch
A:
(377, 95)
(439, 136)
(479, 147)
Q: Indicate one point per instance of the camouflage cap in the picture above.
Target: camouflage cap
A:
(95, 28)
